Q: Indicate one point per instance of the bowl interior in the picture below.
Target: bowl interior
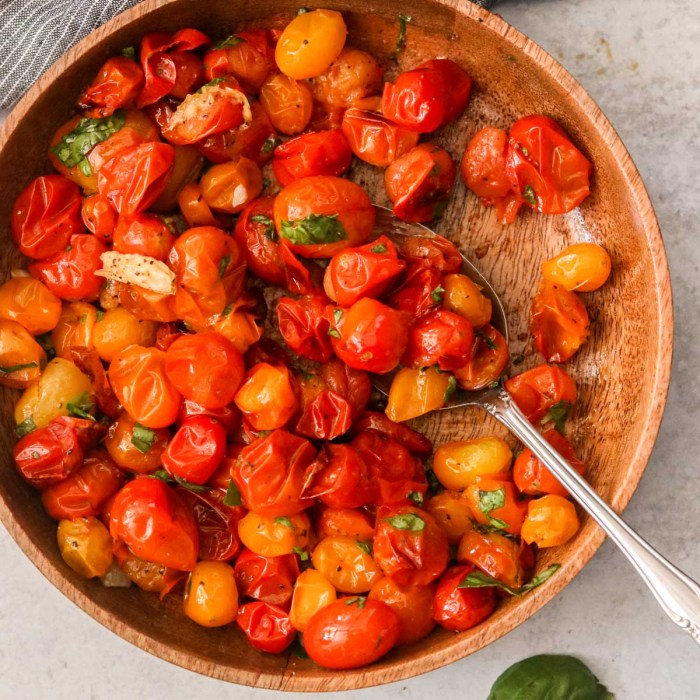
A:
(622, 372)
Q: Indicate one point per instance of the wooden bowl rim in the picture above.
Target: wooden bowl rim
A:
(587, 542)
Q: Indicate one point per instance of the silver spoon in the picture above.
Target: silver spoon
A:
(677, 593)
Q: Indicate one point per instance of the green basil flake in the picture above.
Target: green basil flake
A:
(229, 41)
(364, 546)
(416, 497)
(303, 554)
(315, 229)
(334, 332)
(269, 231)
(17, 368)
(100, 314)
(479, 579)
(526, 153)
(87, 133)
(558, 414)
(223, 264)
(302, 10)
(129, 52)
(529, 196)
(142, 438)
(401, 40)
(195, 488)
(434, 485)
(162, 475)
(359, 600)
(436, 294)
(35, 455)
(269, 145)
(227, 310)
(379, 248)
(337, 315)
(490, 344)
(493, 500)
(25, 427)
(81, 406)
(233, 495)
(548, 676)
(407, 521)
(451, 388)
(284, 520)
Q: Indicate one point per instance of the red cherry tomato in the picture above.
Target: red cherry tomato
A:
(271, 472)
(70, 274)
(352, 384)
(317, 153)
(427, 97)
(545, 168)
(143, 234)
(134, 178)
(84, 493)
(489, 357)
(439, 338)
(304, 326)
(229, 416)
(484, 164)
(248, 56)
(459, 609)
(266, 627)
(151, 520)
(434, 252)
(540, 388)
(269, 579)
(419, 291)
(366, 271)
(99, 216)
(351, 632)
(205, 368)
(558, 322)
(196, 449)
(189, 74)
(419, 182)
(410, 546)
(369, 335)
(116, 85)
(417, 444)
(324, 416)
(45, 216)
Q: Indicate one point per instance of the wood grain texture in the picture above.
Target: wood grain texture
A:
(622, 372)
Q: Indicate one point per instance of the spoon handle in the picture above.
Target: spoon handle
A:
(676, 592)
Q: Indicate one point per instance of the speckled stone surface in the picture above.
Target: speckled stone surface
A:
(640, 60)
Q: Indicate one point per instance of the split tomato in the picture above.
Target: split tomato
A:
(196, 450)
(304, 327)
(248, 56)
(489, 357)
(269, 579)
(116, 85)
(316, 153)
(439, 338)
(266, 627)
(539, 389)
(458, 609)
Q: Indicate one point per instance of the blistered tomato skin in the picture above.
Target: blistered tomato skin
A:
(267, 627)
(211, 596)
(458, 609)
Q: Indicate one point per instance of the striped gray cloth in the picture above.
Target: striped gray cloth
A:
(35, 33)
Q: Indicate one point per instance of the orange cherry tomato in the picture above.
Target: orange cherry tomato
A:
(155, 524)
(247, 56)
(374, 138)
(99, 216)
(229, 187)
(211, 596)
(581, 267)
(85, 546)
(205, 368)
(134, 447)
(452, 513)
(147, 305)
(496, 503)
(540, 388)
(30, 303)
(348, 522)
(558, 322)
(241, 325)
(267, 397)
(74, 328)
(270, 579)
(415, 392)
(116, 85)
(287, 102)
(312, 591)
(465, 298)
(141, 384)
(459, 609)
(186, 169)
(484, 164)
(488, 360)
(274, 537)
(346, 563)
(117, 329)
(458, 464)
(22, 359)
(143, 234)
(353, 75)
(551, 521)
(194, 208)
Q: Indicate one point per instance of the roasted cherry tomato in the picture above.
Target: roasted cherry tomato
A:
(30, 303)
(484, 164)
(211, 597)
(241, 324)
(229, 187)
(533, 478)
(496, 503)
(273, 537)
(134, 447)
(304, 327)
(366, 271)
(374, 138)
(351, 632)
(349, 522)
(419, 182)
(417, 444)
(141, 384)
(581, 267)
(325, 414)
(458, 464)
(267, 397)
(266, 627)
(452, 513)
(352, 384)
(369, 335)
(312, 591)
(419, 292)
(74, 328)
(85, 546)
(410, 546)
(353, 75)
(149, 517)
(247, 56)
(205, 368)
(439, 338)
(143, 234)
(271, 472)
(116, 85)
(346, 563)
(117, 329)
(414, 392)
(46, 215)
(228, 417)
(22, 358)
(541, 388)
(551, 521)
(464, 297)
(287, 102)
(558, 322)
(318, 216)
(196, 450)
(427, 97)
(459, 609)
(545, 168)
(195, 210)
(489, 357)
(99, 216)
(317, 153)
(270, 579)
(434, 252)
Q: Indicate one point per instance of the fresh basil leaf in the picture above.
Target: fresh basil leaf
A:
(25, 427)
(529, 196)
(379, 248)
(16, 368)
(479, 579)
(490, 344)
(162, 475)
(416, 497)
(72, 149)
(269, 145)
(558, 414)
(437, 293)
(548, 676)
(142, 438)
(269, 231)
(407, 521)
(303, 554)
(334, 332)
(129, 52)
(364, 546)
(81, 406)
(451, 388)
(401, 41)
(229, 41)
(227, 310)
(223, 264)
(490, 501)
(284, 520)
(315, 229)
(233, 495)
(195, 488)
(359, 600)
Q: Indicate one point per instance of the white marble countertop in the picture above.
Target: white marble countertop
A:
(640, 60)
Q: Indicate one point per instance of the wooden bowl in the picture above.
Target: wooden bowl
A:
(622, 372)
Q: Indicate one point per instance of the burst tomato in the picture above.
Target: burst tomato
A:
(417, 444)
(247, 56)
(317, 153)
(459, 609)
(266, 627)
(484, 164)
(304, 326)
(99, 216)
(352, 384)
(269, 579)
(116, 85)
(196, 450)
(134, 447)
(489, 357)
(287, 102)
(267, 398)
(419, 292)
(344, 522)
(353, 76)
(434, 252)
(439, 338)
(325, 414)
(30, 303)
(143, 234)
(230, 187)
(540, 388)
(496, 503)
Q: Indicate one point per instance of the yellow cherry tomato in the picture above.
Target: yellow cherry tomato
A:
(414, 392)
(74, 328)
(346, 563)
(85, 545)
(452, 512)
(551, 521)
(273, 537)
(211, 596)
(312, 591)
(117, 329)
(21, 357)
(30, 303)
(310, 43)
(354, 75)
(458, 464)
(582, 267)
(287, 102)
(229, 187)
(464, 297)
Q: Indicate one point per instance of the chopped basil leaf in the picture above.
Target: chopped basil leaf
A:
(35, 455)
(212, 83)
(337, 315)
(558, 414)
(233, 495)
(303, 554)
(529, 196)
(525, 151)
(334, 332)
(493, 500)
(129, 52)
(315, 229)
(25, 427)
(81, 406)
(450, 390)
(283, 520)
(16, 368)
(359, 600)
(478, 579)
(100, 314)
(196, 488)
(490, 344)
(269, 231)
(72, 149)
(436, 294)
(364, 546)
(434, 485)
(142, 438)
(416, 497)
(223, 264)
(401, 41)
(269, 145)
(232, 40)
(163, 476)
(407, 521)
(227, 310)
(379, 248)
